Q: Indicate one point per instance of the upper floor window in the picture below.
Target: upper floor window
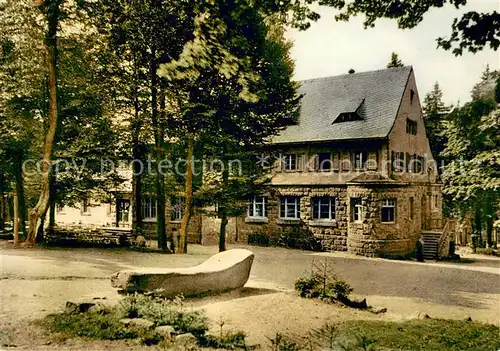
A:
(257, 207)
(177, 210)
(290, 207)
(357, 210)
(149, 207)
(388, 210)
(411, 127)
(290, 162)
(324, 161)
(360, 158)
(323, 208)
(412, 96)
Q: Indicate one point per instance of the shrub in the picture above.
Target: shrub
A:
(340, 289)
(227, 341)
(323, 283)
(301, 239)
(164, 312)
(259, 239)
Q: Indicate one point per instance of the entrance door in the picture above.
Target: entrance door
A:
(123, 212)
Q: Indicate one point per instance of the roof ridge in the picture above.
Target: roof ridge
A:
(356, 74)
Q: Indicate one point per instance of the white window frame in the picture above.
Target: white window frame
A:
(176, 210)
(287, 201)
(435, 202)
(388, 204)
(332, 210)
(363, 158)
(287, 162)
(253, 206)
(149, 210)
(358, 210)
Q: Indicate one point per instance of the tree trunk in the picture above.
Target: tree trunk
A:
(37, 213)
(2, 201)
(21, 203)
(489, 232)
(160, 155)
(477, 229)
(182, 249)
(137, 155)
(52, 202)
(15, 221)
(223, 210)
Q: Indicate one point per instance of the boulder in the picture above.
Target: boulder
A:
(165, 330)
(89, 304)
(224, 271)
(140, 241)
(187, 341)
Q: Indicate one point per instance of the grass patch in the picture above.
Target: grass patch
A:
(105, 323)
(91, 324)
(427, 334)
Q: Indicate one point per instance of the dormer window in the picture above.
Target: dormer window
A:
(352, 112)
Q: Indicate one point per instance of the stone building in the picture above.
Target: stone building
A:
(355, 170)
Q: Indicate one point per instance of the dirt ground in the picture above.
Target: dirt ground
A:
(35, 282)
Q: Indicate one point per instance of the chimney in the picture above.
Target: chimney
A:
(351, 71)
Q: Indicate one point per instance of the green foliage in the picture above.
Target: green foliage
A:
(296, 237)
(261, 239)
(283, 343)
(164, 312)
(395, 61)
(427, 334)
(227, 341)
(323, 283)
(91, 324)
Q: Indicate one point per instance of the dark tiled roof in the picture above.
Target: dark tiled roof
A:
(325, 98)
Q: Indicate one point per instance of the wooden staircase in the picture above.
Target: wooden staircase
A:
(431, 244)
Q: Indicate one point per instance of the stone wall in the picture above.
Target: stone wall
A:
(369, 237)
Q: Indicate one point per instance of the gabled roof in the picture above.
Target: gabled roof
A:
(326, 98)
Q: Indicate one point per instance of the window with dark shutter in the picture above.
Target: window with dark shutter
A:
(324, 161)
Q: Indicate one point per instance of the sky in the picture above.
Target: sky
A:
(332, 48)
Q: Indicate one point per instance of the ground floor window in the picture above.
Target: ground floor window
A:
(177, 211)
(149, 207)
(257, 208)
(323, 208)
(357, 210)
(388, 210)
(435, 202)
(290, 207)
